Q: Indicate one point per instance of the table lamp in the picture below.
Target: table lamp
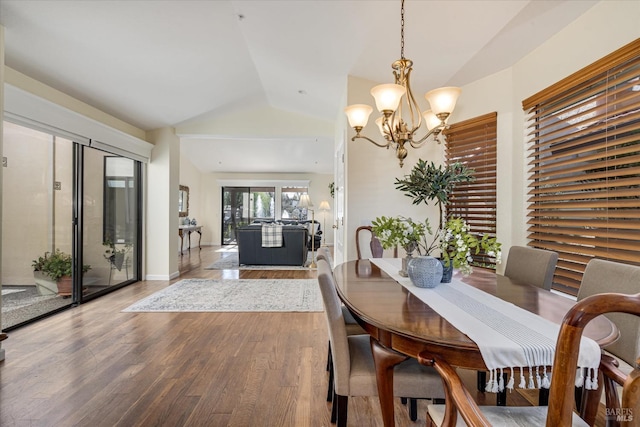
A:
(324, 207)
(305, 202)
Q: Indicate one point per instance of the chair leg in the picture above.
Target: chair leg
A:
(403, 400)
(343, 405)
(482, 380)
(413, 409)
(330, 386)
(334, 409)
(329, 357)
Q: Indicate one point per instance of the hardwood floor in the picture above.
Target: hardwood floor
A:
(96, 366)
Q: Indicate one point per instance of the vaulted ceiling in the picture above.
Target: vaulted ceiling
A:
(255, 86)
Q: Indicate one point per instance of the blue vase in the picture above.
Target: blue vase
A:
(447, 272)
(425, 271)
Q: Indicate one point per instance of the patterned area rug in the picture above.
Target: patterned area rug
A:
(204, 295)
(230, 262)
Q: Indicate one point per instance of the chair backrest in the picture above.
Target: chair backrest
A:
(532, 266)
(365, 236)
(337, 329)
(602, 276)
(325, 254)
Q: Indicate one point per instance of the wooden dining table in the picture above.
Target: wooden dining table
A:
(402, 326)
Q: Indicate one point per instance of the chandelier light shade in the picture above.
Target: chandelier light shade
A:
(443, 100)
(401, 117)
(388, 96)
(358, 115)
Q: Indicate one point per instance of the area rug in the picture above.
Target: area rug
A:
(239, 295)
(230, 262)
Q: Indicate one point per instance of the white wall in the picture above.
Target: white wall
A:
(606, 27)
(162, 206)
(192, 178)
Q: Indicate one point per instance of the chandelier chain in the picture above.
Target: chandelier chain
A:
(402, 30)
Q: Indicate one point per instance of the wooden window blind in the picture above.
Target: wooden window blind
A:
(473, 143)
(583, 137)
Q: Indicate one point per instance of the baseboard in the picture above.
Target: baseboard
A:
(151, 277)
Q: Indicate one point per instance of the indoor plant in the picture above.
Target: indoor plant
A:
(57, 266)
(116, 256)
(400, 231)
(458, 244)
(453, 239)
(428, 182)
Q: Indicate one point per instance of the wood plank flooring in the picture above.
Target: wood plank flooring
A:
(96, 366)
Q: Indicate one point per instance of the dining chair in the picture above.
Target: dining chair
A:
(354, 368)
(350, 323)
(561, 397)
(607, 276)
(375, 249)
(325, 253)
(533, 266)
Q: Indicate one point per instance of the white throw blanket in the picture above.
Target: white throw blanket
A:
(271, 235)
(509, 337)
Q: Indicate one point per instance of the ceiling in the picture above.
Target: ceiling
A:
(255, 86)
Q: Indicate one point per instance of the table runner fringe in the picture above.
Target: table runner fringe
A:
(496, 384)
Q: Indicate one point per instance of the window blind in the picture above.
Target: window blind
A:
(583, 146)
(473, 143)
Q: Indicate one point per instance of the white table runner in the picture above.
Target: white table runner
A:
(508, 336)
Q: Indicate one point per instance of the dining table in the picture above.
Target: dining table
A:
(402, 325)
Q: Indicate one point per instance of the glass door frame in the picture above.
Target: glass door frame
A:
(78, 223)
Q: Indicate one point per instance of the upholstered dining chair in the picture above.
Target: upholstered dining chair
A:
(560, 411)
(351, 325)
(353, 363)
(531, 265)
(607, 276)
(365, 235)
(325, 253)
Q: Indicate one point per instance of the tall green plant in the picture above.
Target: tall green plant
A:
(428, 182)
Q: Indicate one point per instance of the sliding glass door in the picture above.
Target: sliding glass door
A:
(243, 205)
(37, 221)
(110, 222)
(70, 203)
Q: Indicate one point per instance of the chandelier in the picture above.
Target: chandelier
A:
(401, 118)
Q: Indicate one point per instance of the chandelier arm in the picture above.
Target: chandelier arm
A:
(389, 133)
(436, 130)
(371, 141)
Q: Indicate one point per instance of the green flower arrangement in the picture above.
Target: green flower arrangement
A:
(400, 231)
(457, 244)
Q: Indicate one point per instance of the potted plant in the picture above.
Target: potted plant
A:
(400, 231)
(428, 182)
(453, 239)
(457, 244)
(115, 255)
(57, 266)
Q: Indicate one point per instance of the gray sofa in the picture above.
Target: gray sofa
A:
(293, 251)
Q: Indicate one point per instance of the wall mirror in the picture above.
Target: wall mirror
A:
(183, 201)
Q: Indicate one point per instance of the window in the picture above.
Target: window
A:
(473, 143)
(290, 200)
(584, 158)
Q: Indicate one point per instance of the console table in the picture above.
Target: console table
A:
(188, 229)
